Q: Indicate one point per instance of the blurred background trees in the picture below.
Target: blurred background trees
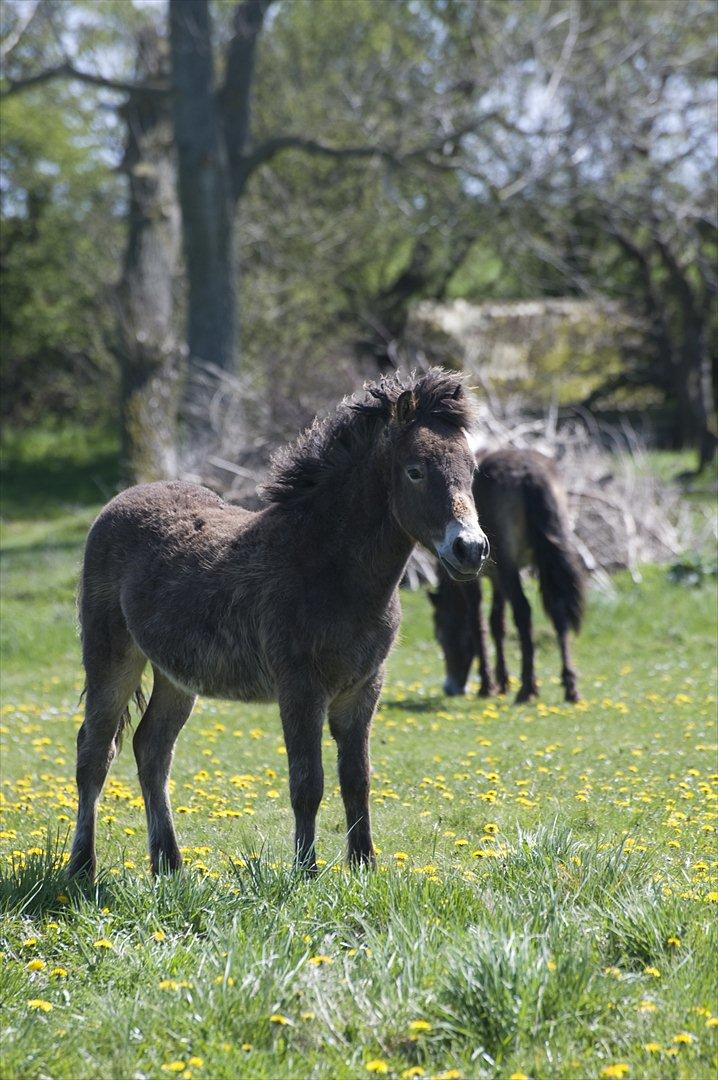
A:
(271, 188)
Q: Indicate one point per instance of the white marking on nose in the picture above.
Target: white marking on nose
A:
(469, 531)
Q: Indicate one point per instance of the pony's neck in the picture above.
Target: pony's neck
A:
(377, 548)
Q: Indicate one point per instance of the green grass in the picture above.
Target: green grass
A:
(542, 900)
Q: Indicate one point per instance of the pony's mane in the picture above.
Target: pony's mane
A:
(332, 444)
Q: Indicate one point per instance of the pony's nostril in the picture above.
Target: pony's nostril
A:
(460, 550)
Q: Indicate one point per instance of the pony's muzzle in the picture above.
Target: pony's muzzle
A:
(463, 550)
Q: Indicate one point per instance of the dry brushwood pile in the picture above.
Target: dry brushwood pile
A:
(622, 512)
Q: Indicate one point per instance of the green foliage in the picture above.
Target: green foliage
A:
(333, 250)
(60, 252)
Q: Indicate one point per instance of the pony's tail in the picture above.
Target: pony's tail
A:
(126, 717)
(560, 572)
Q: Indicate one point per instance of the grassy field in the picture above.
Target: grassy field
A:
(544, 903)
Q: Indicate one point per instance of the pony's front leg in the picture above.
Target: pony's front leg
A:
(350, 717)
(302, 710)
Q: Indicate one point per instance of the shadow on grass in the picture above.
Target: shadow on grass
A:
(42, 472)
(416, 704)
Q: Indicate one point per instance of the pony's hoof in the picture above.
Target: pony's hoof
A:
(82, 871)
(526, 695)
(362, 860)
(452, 688)
(166, 863)
(573, 696)
(487, 690)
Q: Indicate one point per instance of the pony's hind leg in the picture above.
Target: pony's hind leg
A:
(479, 635)
(498, 632)
(511, 583)
(110, 685)
(168, 711)
(568, 671)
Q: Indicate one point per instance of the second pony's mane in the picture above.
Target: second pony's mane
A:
(334, 443)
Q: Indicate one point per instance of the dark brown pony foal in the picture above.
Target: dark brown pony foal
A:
(296, 603)
(522, 510)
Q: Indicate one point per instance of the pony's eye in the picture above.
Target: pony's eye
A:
(415, 473)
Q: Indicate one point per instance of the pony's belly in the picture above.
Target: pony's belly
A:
(212, 671)
(249, 687)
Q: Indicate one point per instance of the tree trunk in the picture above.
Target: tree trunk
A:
(692, 368)
(148, 351)
(695, 385)
(204, 189)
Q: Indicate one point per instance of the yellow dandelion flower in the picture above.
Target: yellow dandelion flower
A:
(647, 1006)
(653, 971)
(36, 965)
(159, 935)
(518, 1076)
(39, 1005)
(410, 1074)
(246, 1047)
(29, 942)
(308, 1015)
(317, 961)
(673, 942)
(59, 972)
(683, 1038)
(196, 1062)
(103, 943)
(376, 1065)
(419, 1025)
(173, 1066)
(652, 1047)
(615, 1072)
(400, 856)
(449, 1074)
(712, 1021)
(277, 1018)
(712, 897)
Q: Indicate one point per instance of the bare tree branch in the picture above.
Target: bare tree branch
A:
(67, 70)
(269, 149)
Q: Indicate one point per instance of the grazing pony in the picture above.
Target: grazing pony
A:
(522, 512)
(295, 603)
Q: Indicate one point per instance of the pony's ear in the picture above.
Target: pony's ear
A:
(405, 407)
(433, 598)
